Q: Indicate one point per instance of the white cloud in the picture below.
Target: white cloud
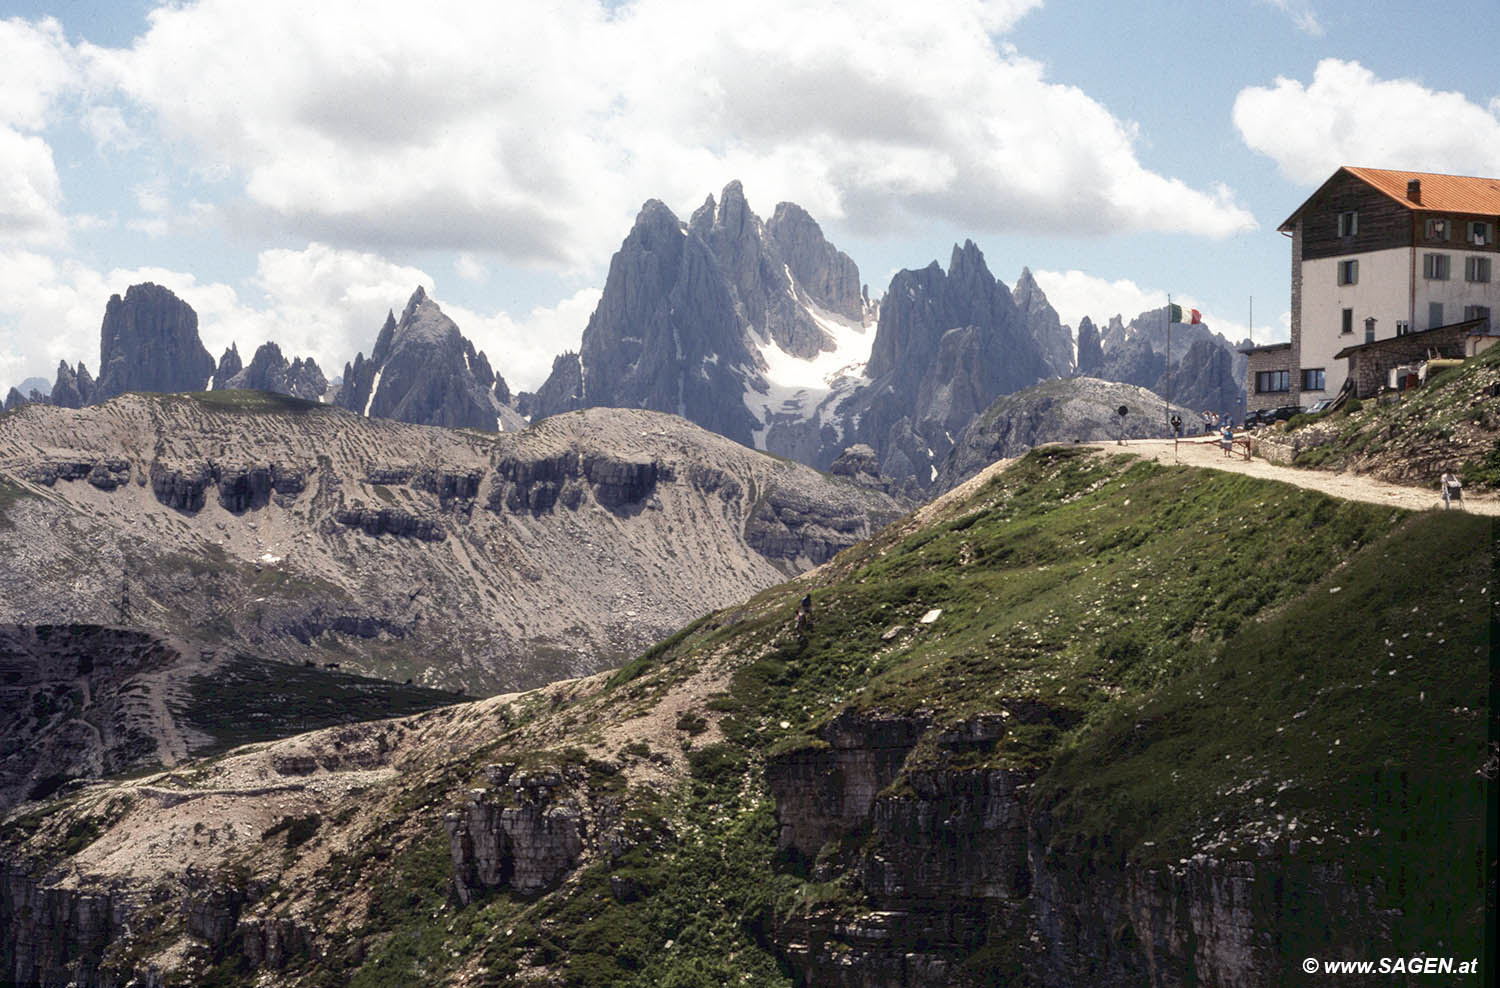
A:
(469, 268)
(532, 130)
(1304, 18)
(107, 126)
(322, 302)
(522, 349)
(1075, 294)
(1348, 116)
(30, 193)
(37, 68)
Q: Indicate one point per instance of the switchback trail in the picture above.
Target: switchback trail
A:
(1202, 452)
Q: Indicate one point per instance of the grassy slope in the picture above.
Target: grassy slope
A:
(1204, 683)
(1168, 618)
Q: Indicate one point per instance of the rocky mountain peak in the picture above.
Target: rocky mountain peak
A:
(1090, 350)
(424, 371)
(825, 273)
(72, 389)
(270, 371)
(423, 320)
(1045, 325)
(230, 364)
(149, 342)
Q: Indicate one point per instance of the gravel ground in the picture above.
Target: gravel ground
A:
(1352, 487)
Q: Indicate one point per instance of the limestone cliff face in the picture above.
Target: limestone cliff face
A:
(1054, 339)
(1090, 349)
(149, 342)
(424, 371)
(668, 333)
(269, 371)
(406, 552)
(947, 859)
(525, 834)
(948, 344)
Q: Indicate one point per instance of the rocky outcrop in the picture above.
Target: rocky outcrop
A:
(667, 333)
(149, 342)
(268, 370)
(425, 372)
(72, 389)
(790, 526)
(525, 834)
(1205, 380)
(1077, 409)
(947, 345)
(1051, 336)
(824, 272)
(1134, 362)
(1090, 349)
(827, 790)
(949, 862)
(54, 936)
(230, 364)
(13, 400)
(561, 392)
(376, 522)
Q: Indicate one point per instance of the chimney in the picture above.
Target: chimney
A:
(1414, 190)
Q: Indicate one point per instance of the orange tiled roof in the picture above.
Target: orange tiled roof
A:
(1440, 193)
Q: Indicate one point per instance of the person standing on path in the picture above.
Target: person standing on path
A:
(1453, 491)
(1226, 438)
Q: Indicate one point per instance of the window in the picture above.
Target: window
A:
(1437, 229)
(1402, 327)
(1435, 266)
(1479, 233)
(1477, 312)
(1476, 269)
(1312, 379)
(1349, 223)
(1348, 324)
(1269, 382)
(1434, 314)
(1348, 272)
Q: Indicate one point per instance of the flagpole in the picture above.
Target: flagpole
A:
(1169, 359)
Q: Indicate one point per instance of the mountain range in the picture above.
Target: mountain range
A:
(760, 331)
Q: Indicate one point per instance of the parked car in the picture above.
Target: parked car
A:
(1319, 405)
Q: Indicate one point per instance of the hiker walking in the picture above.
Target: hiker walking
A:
(1453, 491)
(803, 621)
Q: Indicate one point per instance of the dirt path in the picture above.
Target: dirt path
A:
(1350, 486)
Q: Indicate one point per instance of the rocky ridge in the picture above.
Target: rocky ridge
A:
(279, 526)
(269, 371)
(424, 371)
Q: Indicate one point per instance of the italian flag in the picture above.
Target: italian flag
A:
(1176, 313)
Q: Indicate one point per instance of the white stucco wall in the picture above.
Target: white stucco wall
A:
(1383, 291)
(1387, 291)
(1456, 293)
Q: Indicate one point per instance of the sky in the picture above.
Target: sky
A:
(295, 170)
